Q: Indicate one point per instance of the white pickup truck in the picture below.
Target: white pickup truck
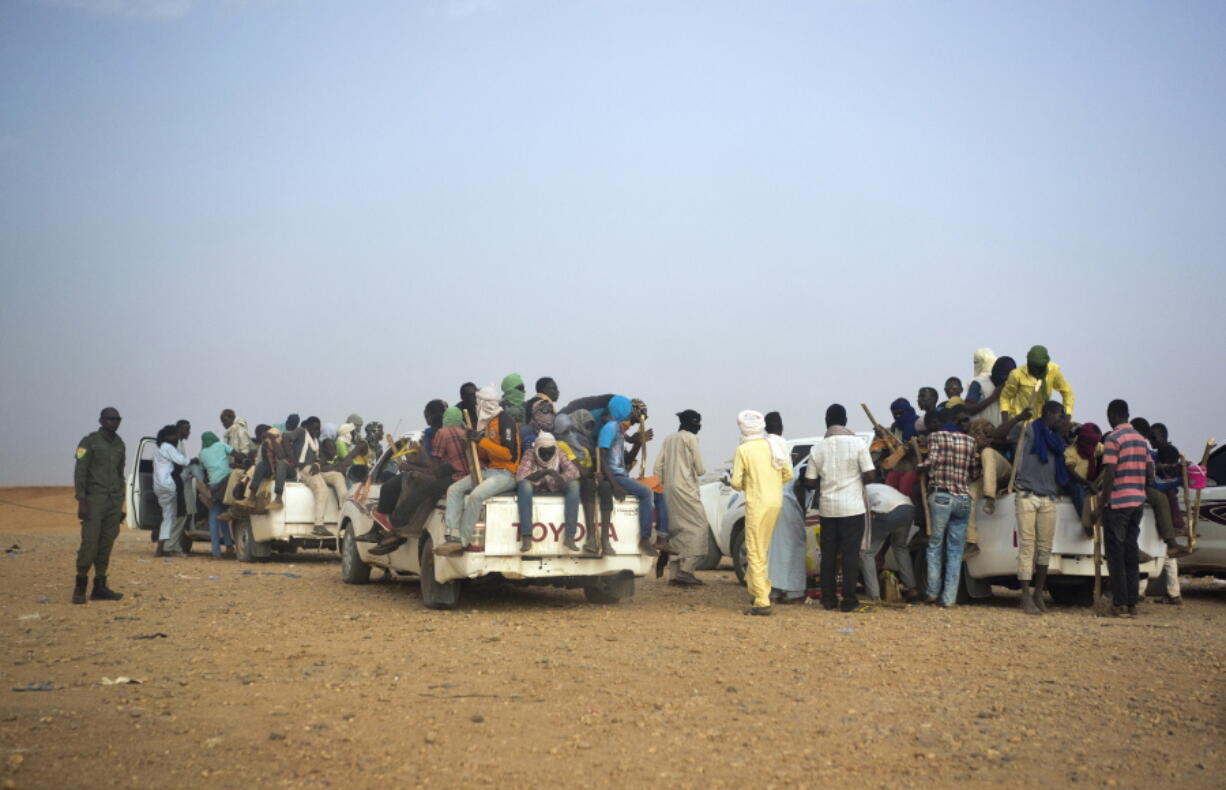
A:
(495, 553)
(255, 538)
(1071, 579)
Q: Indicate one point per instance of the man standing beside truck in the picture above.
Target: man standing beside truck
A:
(1126, 467)
(99, 483)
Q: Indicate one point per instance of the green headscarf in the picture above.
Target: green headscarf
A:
(452, 417)
(208, 439)
(1038, 356)
(513, 390)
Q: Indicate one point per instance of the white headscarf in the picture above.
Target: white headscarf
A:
(488, 405)
(544, 440)
(985, 358)
(345, 433)
(752, 425)
(779, 451)
(328, 431)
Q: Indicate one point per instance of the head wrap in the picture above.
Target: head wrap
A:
(905, 422)
(513, 389)
(208, 439)
(639, 406)
(228, 413)
(1038, 356)
(983, 360)
(543, 440)
(452, 417)
(1088, 437)
(1001, 369)
(355, 420)
(690, 420)
(273, 432)
(488, 406)
(374, 432)
(328, 431)
(619, 408)
(345, 432)
(292, 421)
(751, 424)
(542, 416)
(582, 431)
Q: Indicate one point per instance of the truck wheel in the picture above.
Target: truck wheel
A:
(433, 594)
(739, 557)
(1072, 592)
(609, 589)
(353, 570)
(244, 543)
(710, 561)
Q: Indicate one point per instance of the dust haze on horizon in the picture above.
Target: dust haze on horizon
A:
(323, 208)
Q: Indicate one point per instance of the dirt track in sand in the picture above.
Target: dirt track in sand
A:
(268, 679)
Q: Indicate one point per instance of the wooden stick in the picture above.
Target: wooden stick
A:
(1021, 437)
(923, 484)
(472, 447)
(642, 447)
(1194, 519)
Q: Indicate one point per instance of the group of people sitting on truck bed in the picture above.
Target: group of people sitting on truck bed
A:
(234, 466)
(937, 464)
(499, 441)
(930, 465)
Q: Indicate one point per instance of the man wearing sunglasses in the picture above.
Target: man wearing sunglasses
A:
(99, 485)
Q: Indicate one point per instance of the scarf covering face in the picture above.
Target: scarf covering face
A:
(690, 420)
(345, 433)
(291, 422)
(752, 425)
(544, 440)
(1038, 356)
(1050, 448)
(906, 421)
(208, 439)
(983, 361)
(452, 417)
(1001, 369)
(488, 406)
(512, 390)
(542, 417)
(619, 408)
(582, 429)
(1088, 437)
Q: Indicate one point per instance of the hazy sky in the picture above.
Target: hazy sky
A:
(326, 206)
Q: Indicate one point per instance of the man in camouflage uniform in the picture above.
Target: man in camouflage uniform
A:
(99, 483)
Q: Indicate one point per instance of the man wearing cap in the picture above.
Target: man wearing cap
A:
(1033, 384)
(679, 465)
(99, 483)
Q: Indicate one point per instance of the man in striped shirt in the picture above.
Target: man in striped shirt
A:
(1126, 468)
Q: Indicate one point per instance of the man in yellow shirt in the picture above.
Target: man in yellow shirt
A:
(1031, 386)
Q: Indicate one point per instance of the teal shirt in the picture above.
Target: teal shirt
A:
(216, 461)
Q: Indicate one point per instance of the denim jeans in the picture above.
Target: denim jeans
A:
(894, 525)
(646, 498)
(464, 501)
(950, 513)
(219, 531)
(570, 494)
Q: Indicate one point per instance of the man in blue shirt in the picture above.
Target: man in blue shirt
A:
(615, 461)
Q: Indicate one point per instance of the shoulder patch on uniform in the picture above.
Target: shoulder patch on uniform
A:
(80, 453)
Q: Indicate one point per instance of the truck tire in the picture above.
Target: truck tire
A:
(737, 544)
(433, 594)
(710, 560)
(1072, 592)
(609, 589)
(353, 570)
(244, 543)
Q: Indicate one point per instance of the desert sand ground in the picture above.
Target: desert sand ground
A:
(278, 675)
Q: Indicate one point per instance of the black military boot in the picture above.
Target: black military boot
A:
(78, 592)
(102, 592)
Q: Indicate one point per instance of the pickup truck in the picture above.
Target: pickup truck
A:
(255, 537)
(1071, 579)
(494, 555)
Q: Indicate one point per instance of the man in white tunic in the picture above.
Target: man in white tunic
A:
(679, 466)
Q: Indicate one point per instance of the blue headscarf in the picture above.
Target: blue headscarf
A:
(906, 421)
(1046, 444)
(619, 408)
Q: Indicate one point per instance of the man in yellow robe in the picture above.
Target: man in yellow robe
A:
(761, 475)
